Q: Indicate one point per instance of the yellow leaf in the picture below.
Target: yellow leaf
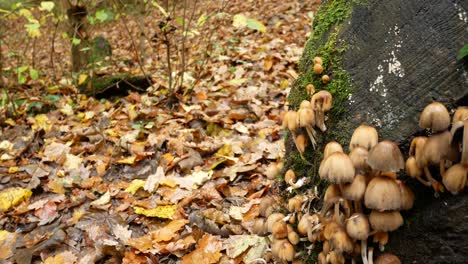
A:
(13, 196)
(10, 122)
(237, 82)
(59, 259)
(162, 211)
(13, 169)
(42, 122)
(7, 242)
(129, 160)
(82, 78)
(56, 186)
(241, 21)
(134, 186)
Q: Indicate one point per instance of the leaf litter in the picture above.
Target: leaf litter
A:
(129, 180)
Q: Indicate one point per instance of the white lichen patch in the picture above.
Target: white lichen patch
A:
(378, 85)
(394, 66)
(461, 13)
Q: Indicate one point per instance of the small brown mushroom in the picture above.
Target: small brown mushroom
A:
(295, 203)
(266, 206)
(283, 250)
(435, 116)
(435, 152)
(325, 79)
(279, 230)
(337, 168)
(459, 137)
(291, 122)
(407, 196)
(355, 191)
(357, 227)
(290, 177)
(387, 258)
(318, 60)
(273, 170)
(364, 136)
(321, 103)
(384, 222)
(331, 148)
(341, 242)
(318, 68)
(301, 143)
(386, 157)
(333, 190)
(460, 114)
(359, 156)
(382, 193)
(455, 179)
(272, 219)
(310, 89)
(412, 169)
(307, 120)
(258, 227)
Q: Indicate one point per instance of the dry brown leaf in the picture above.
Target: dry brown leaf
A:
(168, 232)
(207, 251)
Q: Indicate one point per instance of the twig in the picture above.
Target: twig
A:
(125, 22)
(52, 51)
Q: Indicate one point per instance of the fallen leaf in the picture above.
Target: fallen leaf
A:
(13, 196)
(104, 199)
(207, 251)
(169, 231)
(134, 186)
(162, 211)
(7, 244)
(153, 180)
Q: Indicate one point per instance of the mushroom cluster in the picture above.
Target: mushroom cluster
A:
(279, 227)
(366, 176)
(310, 114)
(444, 148)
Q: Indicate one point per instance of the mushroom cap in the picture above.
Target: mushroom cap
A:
(279, 230)
(274, 169)
(291, 121)
(272, 219)
(359, 157)
(293, 237)
(387, 258)
(289, 177)
(310, 88)
(357, 226)
(386, 221)
(305, 104)
(460, 114)
(318, 68)
(335, 257)
(307, 222)
(258, 226)
(412, 169)
(436, 148)
(325, 79)
(386, 156)
(318, 60)
(322, 101)
(333, 191)
(455, 178)
(306, 116)
(435, 116)
(417, 146)
(364, 136)
(382, 193)
(355, 191)
(266, 206)
(459, 135)
(331, 148)
(301, 141)
(341, 242)
(283, 250)
(337, 168)
(407, 196)
(331, 228)
(295, 203)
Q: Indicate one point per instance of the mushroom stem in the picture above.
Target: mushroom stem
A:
(310, 132)
(382, 239)
(353, 261)
(364, 251)
(421, 180)
(437, 186)
(357, 206)
(297, 146)
(337, 212)
(371, 255)
(320, 120)
(442, 168)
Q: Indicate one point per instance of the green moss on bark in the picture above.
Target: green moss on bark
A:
(324, 43)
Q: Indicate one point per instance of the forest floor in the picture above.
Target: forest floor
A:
(129, 181)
